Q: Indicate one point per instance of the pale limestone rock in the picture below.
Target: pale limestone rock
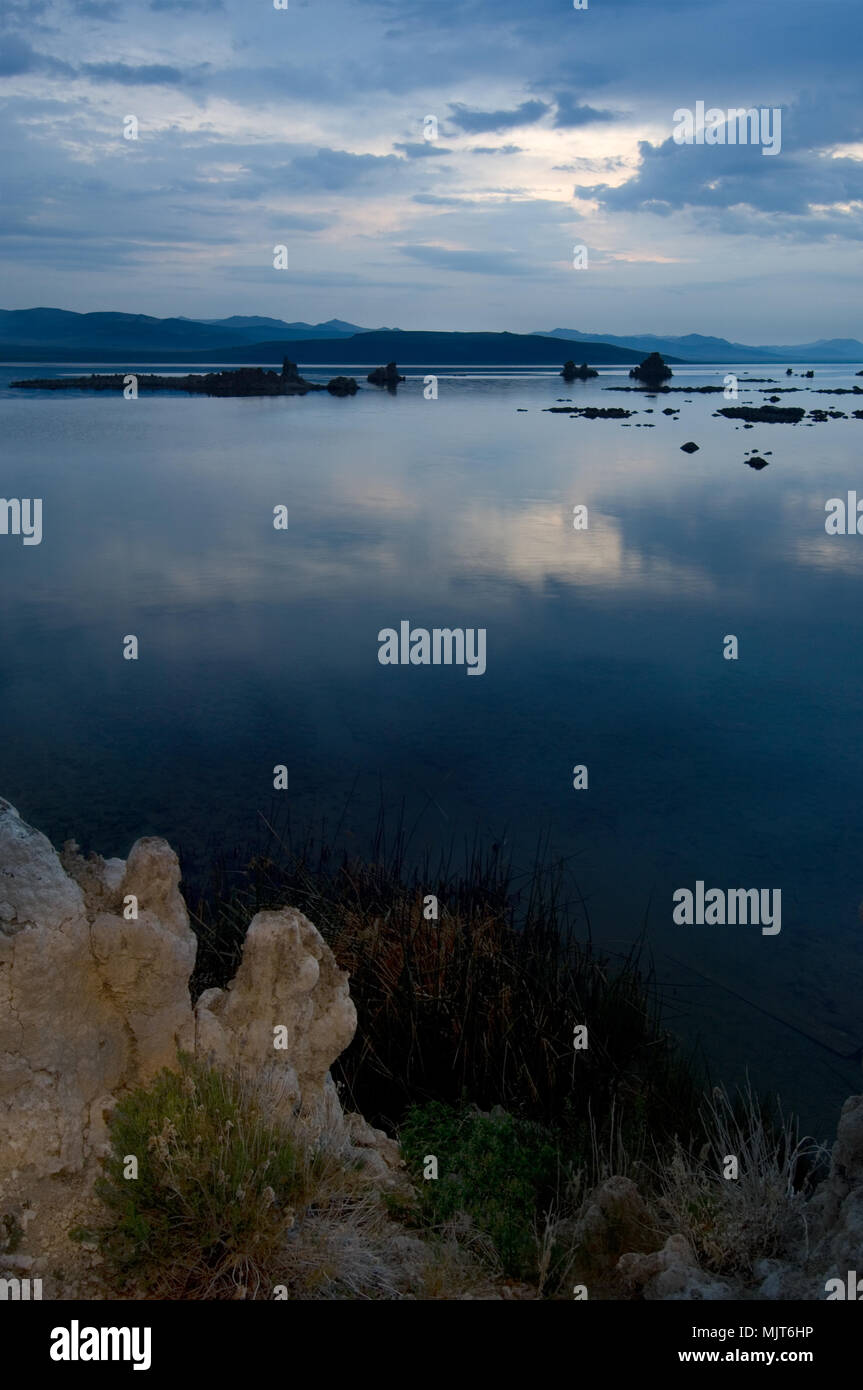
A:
(89, 1003)
(34, 890)
(93, 1004)
(288, 979)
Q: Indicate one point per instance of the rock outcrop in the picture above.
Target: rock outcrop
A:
(95, 961)
(572, 373)
(763, 414)
(342, 386)
(385, 376)
(653, 370)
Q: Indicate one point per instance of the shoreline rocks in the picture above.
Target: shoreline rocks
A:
(242, 381)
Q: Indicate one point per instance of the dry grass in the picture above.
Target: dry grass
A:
(733, 1222)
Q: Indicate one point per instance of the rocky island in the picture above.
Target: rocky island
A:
(572, 373)
(652, 371)
(385, 376)
(243, 381)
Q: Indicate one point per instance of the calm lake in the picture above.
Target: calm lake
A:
(259, 647)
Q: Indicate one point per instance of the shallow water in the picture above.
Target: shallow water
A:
(259, 647)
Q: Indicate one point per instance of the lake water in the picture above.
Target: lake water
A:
(604, 647)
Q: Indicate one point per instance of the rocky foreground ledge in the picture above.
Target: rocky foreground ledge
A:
(96, 957)
(244, 381)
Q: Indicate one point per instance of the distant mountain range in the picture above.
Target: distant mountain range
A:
(333, 328)
(696, 348)
(44, 335)
(56, 328)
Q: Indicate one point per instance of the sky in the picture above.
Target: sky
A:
(434, 164)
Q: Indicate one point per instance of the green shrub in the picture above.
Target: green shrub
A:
(500, 1174)
(216, 1191)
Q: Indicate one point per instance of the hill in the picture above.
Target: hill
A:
(134, 339)
(695, 347)
(52, 329)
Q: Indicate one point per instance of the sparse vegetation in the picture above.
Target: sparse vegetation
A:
(478, 1005)
(733, 1222)
(464, 1051)
(217, 1188)
(497, 1177)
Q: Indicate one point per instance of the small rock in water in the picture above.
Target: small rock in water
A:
(384, 376)
(342, 386)
(689, 448)
(756, 462)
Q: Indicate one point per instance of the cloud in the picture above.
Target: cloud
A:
(335, 171)
(471, 262)
(736, 179)
(420, 149)
(439, 200)
(496, 149)
(475, 122)
(570, 113)
(183, 6)
(144, 74)
(105, 10)
(17, 56)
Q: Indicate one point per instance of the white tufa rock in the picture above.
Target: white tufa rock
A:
(92, 1005)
